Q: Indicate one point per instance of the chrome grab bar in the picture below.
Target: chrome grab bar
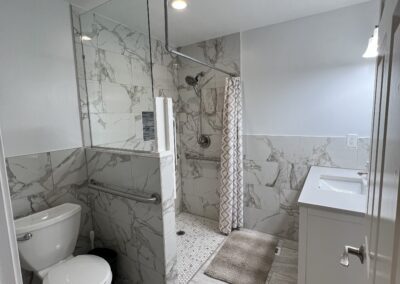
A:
(154, 198)
(202, 158)
(25, 237)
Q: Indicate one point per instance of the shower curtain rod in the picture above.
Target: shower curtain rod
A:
(173, 51)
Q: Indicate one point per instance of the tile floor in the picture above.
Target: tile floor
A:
(201, 243)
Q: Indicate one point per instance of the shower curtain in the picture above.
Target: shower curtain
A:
(231, 186)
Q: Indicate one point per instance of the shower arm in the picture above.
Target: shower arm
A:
(173, 51)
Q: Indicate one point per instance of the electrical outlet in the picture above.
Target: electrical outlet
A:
(352, 140)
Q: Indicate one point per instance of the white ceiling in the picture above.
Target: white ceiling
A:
(206, 19)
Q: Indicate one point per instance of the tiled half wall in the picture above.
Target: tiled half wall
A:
(142, 234)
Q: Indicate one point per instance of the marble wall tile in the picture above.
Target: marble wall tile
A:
(110, 168)
(113, 36)
(200, 196)
(281, 164)
(200, 180)
(167, 172)
(146, 174)
(29, 175)
(111, 128)
(119, 88)
(64, 175)
(261, 172)
(263, 198)
(70, 179)
(137, 231)
(222, 52)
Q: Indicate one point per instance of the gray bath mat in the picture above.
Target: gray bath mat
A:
(245, 258)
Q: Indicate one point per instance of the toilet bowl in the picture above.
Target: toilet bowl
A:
(46, 241)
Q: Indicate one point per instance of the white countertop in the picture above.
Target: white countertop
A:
(312, 196)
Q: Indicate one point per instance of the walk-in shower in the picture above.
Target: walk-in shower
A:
(203, 140)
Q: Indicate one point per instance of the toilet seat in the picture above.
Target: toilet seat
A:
(82, 269)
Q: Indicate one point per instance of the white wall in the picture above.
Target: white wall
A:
(38, 94)
(307, 77)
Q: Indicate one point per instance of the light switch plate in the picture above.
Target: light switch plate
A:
(352, 140)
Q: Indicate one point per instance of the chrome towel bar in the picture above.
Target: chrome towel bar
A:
(153, 198)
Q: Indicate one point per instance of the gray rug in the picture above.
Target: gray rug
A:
(245, 258)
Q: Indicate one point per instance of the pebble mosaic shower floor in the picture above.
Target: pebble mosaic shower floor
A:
(199, 242)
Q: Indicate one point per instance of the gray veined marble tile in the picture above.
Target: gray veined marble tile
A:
(212, 123)
(200, 196)
(110, 128)
(79, 62)
(112, 36)
(141, 72)
(136, 228)
(164, 77)
(146, 174)
(94, 96)
(199, 168)
(69, 168)
(125, 210)
(110, 168)
(282, 224)
(114, 67)
(190, 102)
(222, 52)
(161, 55)
(262, 197)
(29, 175)
(119, 98)
(28, 205)
(210, 98)
(256, 147)
(261, 172)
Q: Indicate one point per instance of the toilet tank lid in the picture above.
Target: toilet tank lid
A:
(45, 218)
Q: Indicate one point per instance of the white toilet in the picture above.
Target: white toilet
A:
(46, 241)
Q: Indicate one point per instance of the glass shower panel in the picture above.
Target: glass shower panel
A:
(116, 48)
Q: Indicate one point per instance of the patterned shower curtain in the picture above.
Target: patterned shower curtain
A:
(231, 186)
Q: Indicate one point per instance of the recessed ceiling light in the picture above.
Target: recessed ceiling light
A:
(85, 38)
(179, 4)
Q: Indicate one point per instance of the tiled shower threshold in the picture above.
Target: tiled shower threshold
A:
(201, 242)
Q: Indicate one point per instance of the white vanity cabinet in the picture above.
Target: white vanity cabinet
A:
(330, 220)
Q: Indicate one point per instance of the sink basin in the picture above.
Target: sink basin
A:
(341, 184)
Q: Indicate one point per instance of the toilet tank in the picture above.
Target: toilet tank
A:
(47, 237)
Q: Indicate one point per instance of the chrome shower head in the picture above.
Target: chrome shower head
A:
(193, 81)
